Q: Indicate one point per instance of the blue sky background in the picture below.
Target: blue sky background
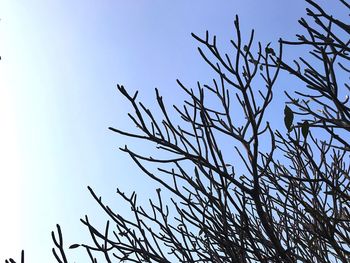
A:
(61, 61)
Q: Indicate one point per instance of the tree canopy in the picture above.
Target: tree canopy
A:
(242, 190)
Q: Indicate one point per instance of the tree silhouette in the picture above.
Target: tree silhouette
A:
(242, 191)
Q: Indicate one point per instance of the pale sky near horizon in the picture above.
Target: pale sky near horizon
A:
(61, 61)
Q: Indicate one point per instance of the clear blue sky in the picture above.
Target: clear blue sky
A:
(61, 61)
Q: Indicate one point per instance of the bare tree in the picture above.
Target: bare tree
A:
(11, 260)
(242, 191)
